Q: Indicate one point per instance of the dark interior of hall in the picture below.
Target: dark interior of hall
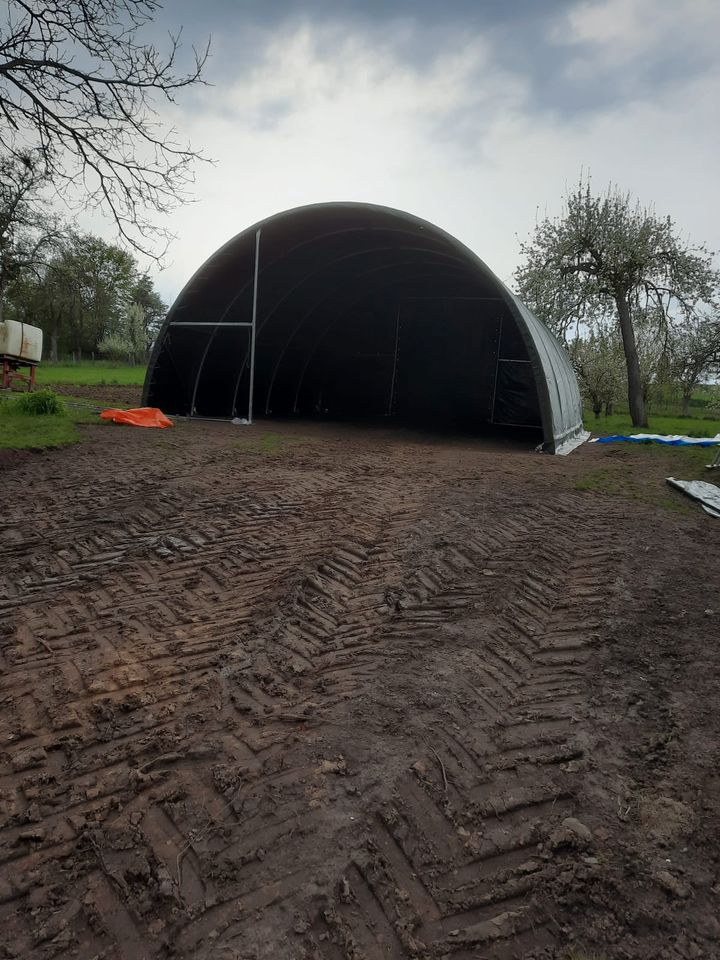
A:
(359, 312)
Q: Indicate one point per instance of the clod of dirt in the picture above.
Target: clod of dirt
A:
(672, 885)
(36, 835)
(338, 766)
(139, 867)
(156, 927)
(665, 819)
(166, 887)
(404, 931)
(345, 894)
(33, 757)
(571, 833)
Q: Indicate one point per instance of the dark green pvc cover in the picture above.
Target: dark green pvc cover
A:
(361, 311)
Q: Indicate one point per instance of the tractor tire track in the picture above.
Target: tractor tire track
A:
(336, 714)
(457, 858)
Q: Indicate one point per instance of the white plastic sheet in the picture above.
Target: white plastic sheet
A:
(707, 494)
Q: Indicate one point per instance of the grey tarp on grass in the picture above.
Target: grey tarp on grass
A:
(707, 494)
(362, 311)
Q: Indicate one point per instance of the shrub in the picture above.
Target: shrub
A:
(42, 403)
(115, 348)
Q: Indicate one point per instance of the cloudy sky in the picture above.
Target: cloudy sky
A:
(474, 114)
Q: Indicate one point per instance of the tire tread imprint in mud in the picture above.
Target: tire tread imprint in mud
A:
(338, 711)
(452, 864)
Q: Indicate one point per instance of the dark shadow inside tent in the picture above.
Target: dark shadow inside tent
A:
(359, 312)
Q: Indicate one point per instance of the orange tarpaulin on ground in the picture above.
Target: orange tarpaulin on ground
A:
(139, 417)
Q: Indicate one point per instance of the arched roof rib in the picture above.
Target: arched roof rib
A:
(320, 268)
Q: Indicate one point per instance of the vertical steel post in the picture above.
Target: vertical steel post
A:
(395, 356)
(497, 368)
(254, 324)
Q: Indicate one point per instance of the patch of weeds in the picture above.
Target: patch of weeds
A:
(639, 472)
(678, 506)
(599, 481)
(24, 424)
(20, 431)
(42, 403)
(650, 489)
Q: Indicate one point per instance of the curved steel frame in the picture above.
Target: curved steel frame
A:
(560, 409)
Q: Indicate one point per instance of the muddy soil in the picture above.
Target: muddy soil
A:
(321, 692)
(103, 394)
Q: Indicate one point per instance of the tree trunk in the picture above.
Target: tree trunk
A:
(686, 403)
(635, 387)
(54, 337)
(609, 407)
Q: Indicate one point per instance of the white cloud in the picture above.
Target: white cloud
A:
(622, 30)
(327, 116)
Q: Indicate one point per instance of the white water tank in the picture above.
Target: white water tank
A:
(20, 341)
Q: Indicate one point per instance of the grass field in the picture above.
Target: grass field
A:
(99, 372)
(622, 424)
(20, 431)
(614, 477)
(107, 373)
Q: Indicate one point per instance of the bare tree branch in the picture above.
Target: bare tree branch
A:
(80, 85)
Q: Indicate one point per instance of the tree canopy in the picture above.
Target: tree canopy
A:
(90, 297)
(598, 362)
(607, 256)
(694, 353)
(27, 230)
(83, 291)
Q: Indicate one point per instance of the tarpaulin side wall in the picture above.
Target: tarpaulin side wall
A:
(361, 311)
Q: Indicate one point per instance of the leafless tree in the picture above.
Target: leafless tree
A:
(81, 83)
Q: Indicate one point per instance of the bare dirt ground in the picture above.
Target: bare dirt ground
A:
(102, 393)
(321, 692)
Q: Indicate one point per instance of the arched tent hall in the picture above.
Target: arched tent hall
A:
(355, 310)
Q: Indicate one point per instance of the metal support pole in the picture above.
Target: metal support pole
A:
(254, 324)
(199, 373)
(395, 356)
(497, 368)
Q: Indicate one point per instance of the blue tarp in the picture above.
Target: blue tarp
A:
(670, 441)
